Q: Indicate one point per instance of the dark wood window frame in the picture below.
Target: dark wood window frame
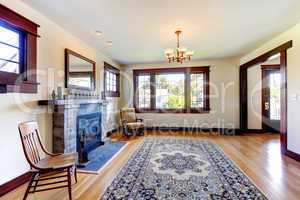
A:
(114, 70)
(26, 80)
(187, 72)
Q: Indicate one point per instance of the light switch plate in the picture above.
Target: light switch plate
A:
(294, 97)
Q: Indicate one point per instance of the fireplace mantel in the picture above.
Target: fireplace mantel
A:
(72, 102)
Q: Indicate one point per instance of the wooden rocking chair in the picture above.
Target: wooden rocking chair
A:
(45, 166)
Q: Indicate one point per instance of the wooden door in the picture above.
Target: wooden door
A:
(271, 83)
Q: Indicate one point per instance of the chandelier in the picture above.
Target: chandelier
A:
(180, 54)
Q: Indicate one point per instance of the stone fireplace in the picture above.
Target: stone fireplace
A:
(77, 125)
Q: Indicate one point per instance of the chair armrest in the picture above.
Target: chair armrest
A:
(139, 120)
(124, 123)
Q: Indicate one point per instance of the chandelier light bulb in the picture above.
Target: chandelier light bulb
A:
(169, 51)
(181, 53)
(190, 53)
(182, 49)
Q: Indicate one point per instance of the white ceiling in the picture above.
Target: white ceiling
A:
(142, 29)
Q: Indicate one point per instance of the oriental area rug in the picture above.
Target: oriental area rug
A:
(180, 168)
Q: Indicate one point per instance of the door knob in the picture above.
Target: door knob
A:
(267, 106)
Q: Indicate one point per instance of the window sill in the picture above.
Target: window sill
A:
(24, 87)
(112, 94)
(174, 111)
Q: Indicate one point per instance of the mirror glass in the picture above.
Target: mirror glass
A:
(80, 70)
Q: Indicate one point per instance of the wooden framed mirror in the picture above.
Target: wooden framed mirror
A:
(80, 72)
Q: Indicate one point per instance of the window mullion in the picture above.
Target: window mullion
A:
(9, 45)
(152, 91)
(206, 91)
(187, 91)
(136, 91)
(23, 57)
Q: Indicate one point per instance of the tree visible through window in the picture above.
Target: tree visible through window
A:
(275, 96)
(197, 90)
(170, 91)
(144, 91)
(178, 89)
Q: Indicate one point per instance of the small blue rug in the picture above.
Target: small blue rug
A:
(102, 155)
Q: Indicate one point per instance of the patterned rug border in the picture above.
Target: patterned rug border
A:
(141, 143)
(236, 165)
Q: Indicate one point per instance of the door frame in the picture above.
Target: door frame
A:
(265, 90)
(282, 49)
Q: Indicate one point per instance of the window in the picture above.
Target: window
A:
(11, 50)
(274, 84)
(144, 91)
(111, 81)
(18, 46)
(172, 90)
(169, 91)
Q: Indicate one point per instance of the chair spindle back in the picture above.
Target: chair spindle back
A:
(31, 142)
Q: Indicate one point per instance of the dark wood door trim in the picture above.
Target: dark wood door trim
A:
(243, 100)
(264, 57)
(244, 85)
(283, 101)
(270, 67)
(282, 49)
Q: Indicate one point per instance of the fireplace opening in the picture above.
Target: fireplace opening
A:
(89, 135)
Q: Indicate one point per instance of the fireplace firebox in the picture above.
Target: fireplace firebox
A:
(88, 135)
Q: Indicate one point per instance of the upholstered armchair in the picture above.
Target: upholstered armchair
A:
(130, 124)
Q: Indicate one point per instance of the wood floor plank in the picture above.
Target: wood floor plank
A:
(258, 155)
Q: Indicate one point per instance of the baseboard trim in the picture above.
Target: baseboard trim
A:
(111, 132)
(13, 184)
(293, 155)
(255, 131)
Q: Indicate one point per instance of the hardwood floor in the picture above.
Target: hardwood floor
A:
(257, 155)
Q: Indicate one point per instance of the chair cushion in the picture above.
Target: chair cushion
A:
(128, 114)
(135, 125)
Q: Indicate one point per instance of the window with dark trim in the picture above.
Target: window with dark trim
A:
(18, 43)
(11, 49)
(172, 90)
(111, 81)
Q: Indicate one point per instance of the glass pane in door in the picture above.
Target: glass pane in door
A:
(275, 96)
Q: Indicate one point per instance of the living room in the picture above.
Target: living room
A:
(149, 100)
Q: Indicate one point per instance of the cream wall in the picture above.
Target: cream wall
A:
(224, 100)
(293, 81)
(254, 97)
(16, 108)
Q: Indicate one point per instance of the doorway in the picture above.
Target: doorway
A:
(282, 49)
(271, 82)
